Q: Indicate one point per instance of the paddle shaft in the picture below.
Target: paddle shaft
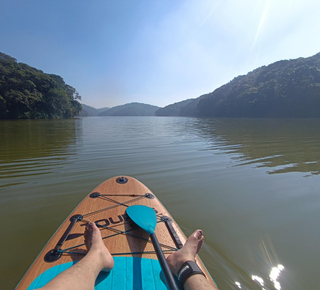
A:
(163, 263)
(145, 217)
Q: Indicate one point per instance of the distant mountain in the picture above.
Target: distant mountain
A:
(187, 108)
(176, 109)
(132, 109)
(90, 111)
(284, 89)
(102, 110)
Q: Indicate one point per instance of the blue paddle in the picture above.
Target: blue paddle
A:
(145, 217)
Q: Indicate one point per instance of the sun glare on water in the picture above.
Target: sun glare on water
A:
(273, 276)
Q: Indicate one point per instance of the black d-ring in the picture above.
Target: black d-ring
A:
(122, 180)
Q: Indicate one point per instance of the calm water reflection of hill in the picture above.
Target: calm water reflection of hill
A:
(240, 180)
(281, 145)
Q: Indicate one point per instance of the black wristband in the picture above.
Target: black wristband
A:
(187, 270)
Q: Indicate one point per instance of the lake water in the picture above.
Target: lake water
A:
(252, 185)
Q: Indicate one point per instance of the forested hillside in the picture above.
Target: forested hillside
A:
(176, 109)
(29, 93)
(287, 88)
(284, 89)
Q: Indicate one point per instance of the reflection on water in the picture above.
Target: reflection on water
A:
(209, 173)
(258, 280)
(34, 147)
(261, 277)
(273, 276)
(282, 145)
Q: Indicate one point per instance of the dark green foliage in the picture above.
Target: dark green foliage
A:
(289, 88)
(28, 93)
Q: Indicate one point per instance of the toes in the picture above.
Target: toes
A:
(89, 226)
(198, 234)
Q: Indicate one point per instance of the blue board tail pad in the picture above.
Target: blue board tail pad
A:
(128, 273)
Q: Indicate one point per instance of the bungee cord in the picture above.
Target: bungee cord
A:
(117, 231)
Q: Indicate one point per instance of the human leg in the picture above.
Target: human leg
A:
(188, 253)
(82, 275)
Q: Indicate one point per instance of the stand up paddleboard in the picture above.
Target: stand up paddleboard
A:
(136, 262)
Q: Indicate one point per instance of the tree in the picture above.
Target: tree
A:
(28, 93)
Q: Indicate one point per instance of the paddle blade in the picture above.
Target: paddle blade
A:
(143, 216)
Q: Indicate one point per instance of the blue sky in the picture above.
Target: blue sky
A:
(155, 51)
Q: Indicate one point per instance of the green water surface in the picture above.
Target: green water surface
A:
(252, 185)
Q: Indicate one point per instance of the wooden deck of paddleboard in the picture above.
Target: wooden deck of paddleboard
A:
(106, 206)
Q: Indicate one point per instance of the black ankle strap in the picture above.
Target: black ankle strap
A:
(187, 270)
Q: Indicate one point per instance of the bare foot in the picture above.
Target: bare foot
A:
(95, 246)
(187, 253)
